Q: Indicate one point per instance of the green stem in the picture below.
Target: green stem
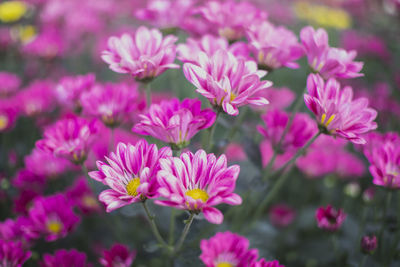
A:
(363, 261)
(238, 123)
(147, 90)
(299, 153)
(153, 226)
(382, 229)
(212, 131)
(111, 145)
(172, 227)
(185, 232)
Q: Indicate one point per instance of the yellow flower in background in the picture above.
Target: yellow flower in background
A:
(11, 11)
(26, 33)
(322, 15)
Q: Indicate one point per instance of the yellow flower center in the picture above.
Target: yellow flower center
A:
(323, 118)
(198, 194)
(132, 186)
(224, 264)
(89, 201)
(26, 33)
(233, 96)
(54, 227)
(11, 11)
(3, 122)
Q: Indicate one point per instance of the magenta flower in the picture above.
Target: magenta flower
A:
(25, 179)
(69, 138)
(328, 61)
(12, 230)
(209, 44)
(23, 202)
(13, 254)
(130, 174)
(301, 129)
(118, 256)
(174, 122)
(197, 182)
(385, 163)
(110, 102)
(65, 258)
(51, 217)
(274, 47)
(279, 98)
(9, 83)
(37, 98)
(70, 89)
(48, 44)
(264, 263)
(81, 195)
(329, 218)
(54, 166)
(281, 215)
(226, 81)
(227, 249)
(9, 113)
(230, 19)
(336, 111)
(369, 243)
(145, 56)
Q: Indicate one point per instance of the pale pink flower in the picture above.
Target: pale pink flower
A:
(175, 122)
(230, 19)
(226, 81)
(328, 61)
(130, 174)
(337, 112)
(197, 182)
(227, 249)
(145, 55)
(274, 47)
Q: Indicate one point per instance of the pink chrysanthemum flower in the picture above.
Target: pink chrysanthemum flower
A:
(300, 131)
(174, 122)
(145, 56)
(227, 81)
(12, 230)
(227, 249)
(37, 98)
(329, 218)
(52, 217)
(54, 165)
(118, 256)
(65, 258)
(69, 138)
(274, 47)
(385, 163)
(209, 44)
(230, 19)
(13, 254)
(9, 113)
(9, 83)
(110, 102)
(70, 89)
(336, 111)
(197, 182)
(264, 263)
(328, 61)
(130, 174)
(279, 98)
(281, 215)
(81, 195)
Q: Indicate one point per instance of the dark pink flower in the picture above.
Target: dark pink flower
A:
(118, 256)
(81, 195)
(226, 81)
(12, 230)
(112, 103)
(197, 182)
(369, 243)
(9, 113)
(48, 44)
(24, 200)
(54, 165)
(70, 138)
(337, 112)
(65, 258)
(37, 98)
(145, 55)
(227, 249)
(328, 61)
(51, 217)
(274, 47)
(230, 19)
(25, 179)
(70, 88)
(329, 218)
(130, 174)
(175, 122)
(13, 254)
(264, 263)
(301, 129)
(281, 215)
(9, 83)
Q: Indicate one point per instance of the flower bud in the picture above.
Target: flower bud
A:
(369, 244)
